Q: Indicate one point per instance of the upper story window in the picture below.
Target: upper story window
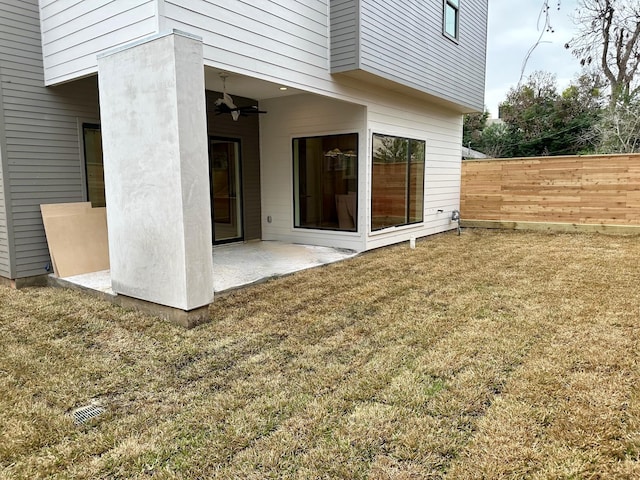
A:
(451, 18)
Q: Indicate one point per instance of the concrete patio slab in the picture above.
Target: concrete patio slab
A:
(236, 265)
(240, 264)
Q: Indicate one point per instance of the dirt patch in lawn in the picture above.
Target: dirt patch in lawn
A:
(489, 355)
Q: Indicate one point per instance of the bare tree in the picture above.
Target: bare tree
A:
(544, 26)
(609, 34)
(619, 129)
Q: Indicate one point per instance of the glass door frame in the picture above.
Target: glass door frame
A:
(89, 157)
(239, 210)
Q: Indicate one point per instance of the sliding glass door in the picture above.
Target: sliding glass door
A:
(226, 192)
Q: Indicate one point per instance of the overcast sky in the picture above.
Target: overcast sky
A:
(512, 32)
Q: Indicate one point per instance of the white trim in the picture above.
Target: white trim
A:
(398, 228)
(148, 39)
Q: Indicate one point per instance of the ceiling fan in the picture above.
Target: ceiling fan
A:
(226, 105)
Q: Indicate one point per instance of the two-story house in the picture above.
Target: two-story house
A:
(152, 109)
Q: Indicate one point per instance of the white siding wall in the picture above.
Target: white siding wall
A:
(442, 131)
(386, 113)
(285, 41)
(74, 32)
(282, 41)
(42, 138)
(302, 116)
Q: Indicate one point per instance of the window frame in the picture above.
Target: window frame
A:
(356, 175)
(408, 194)
(455, 6)
(84, 127)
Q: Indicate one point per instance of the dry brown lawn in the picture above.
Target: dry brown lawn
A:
(489, 355)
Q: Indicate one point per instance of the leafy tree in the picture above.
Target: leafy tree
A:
(528, 111)
(609, 36)
(398, 150)
(541, 121)
(497, 141)
(474, 124)
(391, 150)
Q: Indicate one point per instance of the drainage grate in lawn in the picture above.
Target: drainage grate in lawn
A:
(84, 414)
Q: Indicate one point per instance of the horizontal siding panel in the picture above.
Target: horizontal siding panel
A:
(18, 17)
(273, 56)
(19, 6)
(4, 237)
(52, 173)
(442, 63)
(20, 57)
(24, 43)
(89, 15)
(402, 41)
(14, 152)
(23, 49)
(309, 26)
(74, 33)
(73, 42)
(48, 187)
(43, 147)
(19, 127)
(344, 35)
(52, 8)
(29, 160)
(47, 110)
(49, 196)
(238, 33)
(16, 76)
(71, 63)
(22, 70)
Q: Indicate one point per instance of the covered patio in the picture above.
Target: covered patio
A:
(236, 265)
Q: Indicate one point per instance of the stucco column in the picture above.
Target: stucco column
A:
(154, 134)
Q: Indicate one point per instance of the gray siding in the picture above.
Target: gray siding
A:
(402, 41)
(5, 267)
(247, 130)
(345, 35)
(41, 127)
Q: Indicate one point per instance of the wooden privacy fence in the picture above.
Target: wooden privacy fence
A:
(588, 191)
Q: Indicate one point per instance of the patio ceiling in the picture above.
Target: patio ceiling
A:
(245, 86)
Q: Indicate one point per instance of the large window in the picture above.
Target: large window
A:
(325, 179)
(451, 18)
(397, 181)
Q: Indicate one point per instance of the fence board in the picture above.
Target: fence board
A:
(593, 189)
